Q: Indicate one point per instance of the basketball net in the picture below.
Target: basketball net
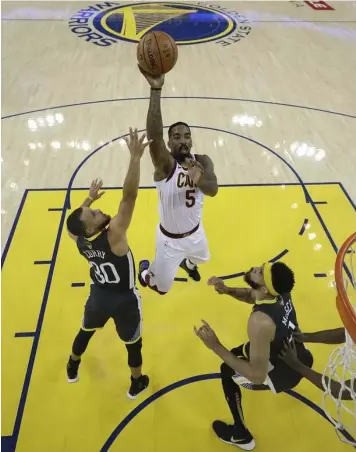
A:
(342, 366)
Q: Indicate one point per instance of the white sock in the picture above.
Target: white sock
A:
(190, 264)
(143, 274)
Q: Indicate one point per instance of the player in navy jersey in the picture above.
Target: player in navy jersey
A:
(256, 364)
(102, 241)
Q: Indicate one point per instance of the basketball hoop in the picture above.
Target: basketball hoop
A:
(342, 361)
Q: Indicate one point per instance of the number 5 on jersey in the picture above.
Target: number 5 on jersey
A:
(190, 198)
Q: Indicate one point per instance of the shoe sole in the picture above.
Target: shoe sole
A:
(131, 397)
(73, 380)
(249, 446)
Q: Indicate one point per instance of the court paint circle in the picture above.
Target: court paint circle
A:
(109, 442)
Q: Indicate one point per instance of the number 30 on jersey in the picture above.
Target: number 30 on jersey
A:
(105, 273)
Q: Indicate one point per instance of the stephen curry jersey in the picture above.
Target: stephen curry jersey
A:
(109, 271)
(180, 201)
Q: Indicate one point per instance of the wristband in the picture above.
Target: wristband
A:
(91, 199)
(156, 89)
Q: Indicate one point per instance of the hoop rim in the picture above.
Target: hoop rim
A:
(344, 307)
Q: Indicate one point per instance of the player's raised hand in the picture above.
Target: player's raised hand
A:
(136, 144)
(155, 81)
(207, 335)
(218, 284)
(95, 188)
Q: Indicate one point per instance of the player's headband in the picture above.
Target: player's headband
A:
(267, 276)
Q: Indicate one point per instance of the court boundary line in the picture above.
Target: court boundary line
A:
(197, 378)
(13, 228)
(233, 99)
(10, 441)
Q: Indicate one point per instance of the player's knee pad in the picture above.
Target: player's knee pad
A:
(81, 341)
(134, 352)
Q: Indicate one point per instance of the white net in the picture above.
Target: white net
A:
(339, 378)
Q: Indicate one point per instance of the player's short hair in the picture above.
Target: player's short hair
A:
(282, 278)
(179, 123)
(75, 225)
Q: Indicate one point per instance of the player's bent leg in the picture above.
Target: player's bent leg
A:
(139, 382)
(128, 321)
(238, 433)
(94, 319)
(80, 344)
(159, 276)
(197, 253)
(161, 273)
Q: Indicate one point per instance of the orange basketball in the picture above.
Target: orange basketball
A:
(157, 53)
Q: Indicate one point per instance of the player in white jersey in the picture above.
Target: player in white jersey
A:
(182, 180)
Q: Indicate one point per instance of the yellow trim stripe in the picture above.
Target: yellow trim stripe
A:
(266, 301)
(93, 237)
(244, 350)
(133, 342)
(267, 275)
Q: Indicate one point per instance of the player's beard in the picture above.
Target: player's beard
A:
(249, 281)
(182, 156)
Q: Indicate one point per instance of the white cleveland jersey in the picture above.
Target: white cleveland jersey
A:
(180, 202)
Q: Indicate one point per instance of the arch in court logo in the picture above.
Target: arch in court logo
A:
(107, 23)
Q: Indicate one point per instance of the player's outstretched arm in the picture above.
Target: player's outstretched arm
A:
(93, 196)
(120, 223)
(290, 357)
(261, 331)
(335, 336)
(208, 182)
(242, 294)
(161, 157)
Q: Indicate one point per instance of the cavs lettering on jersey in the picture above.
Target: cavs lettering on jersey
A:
(109, 271)
(180, 201)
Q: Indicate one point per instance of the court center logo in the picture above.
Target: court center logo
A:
(107, 23)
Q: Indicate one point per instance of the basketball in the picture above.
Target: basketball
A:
(157, 53)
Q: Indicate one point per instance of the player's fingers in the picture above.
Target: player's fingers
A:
(141, 140)
(101, 194)
(131, 133)
(197, 332)
(206, 323)
(147, 144)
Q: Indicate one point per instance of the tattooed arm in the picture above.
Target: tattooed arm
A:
(242, 294)
(161, 157)
(208, 183)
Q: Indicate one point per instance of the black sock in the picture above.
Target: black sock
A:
(233, 397)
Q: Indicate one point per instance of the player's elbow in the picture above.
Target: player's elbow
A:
(212, 191)
(258, 378)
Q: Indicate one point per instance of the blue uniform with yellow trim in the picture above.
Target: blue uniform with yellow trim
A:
(280, 376)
